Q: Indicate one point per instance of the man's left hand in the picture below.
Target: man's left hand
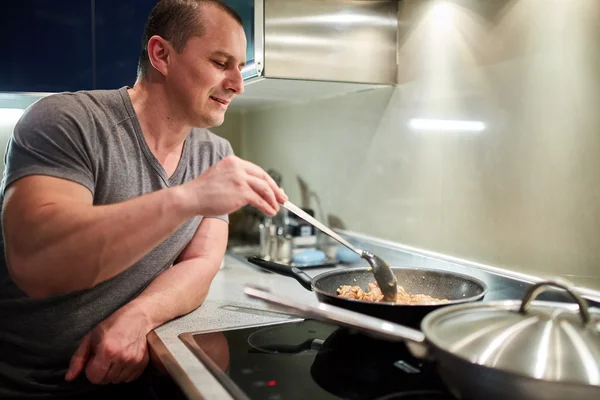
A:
(115, 351)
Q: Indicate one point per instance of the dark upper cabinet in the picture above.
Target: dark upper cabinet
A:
(47, 45)
(71, 45)
(119, 29)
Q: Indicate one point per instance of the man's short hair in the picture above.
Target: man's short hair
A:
(177, 21)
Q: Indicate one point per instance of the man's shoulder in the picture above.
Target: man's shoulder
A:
(84, 101)
(79, 98)
(81, 110)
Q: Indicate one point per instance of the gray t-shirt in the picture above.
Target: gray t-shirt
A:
(92, 138)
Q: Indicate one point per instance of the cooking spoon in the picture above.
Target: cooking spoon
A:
(383, 274)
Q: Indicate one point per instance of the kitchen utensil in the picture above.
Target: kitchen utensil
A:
(495, 350)
(457, 288)
(381, 270)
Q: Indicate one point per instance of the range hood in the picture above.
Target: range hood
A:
(304, 49)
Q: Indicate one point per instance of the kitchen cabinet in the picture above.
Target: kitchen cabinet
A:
(48, 45)
(119, 27)
(71, 45)
(297, 50)
(304, 50)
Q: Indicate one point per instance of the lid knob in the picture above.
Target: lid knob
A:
(541, 287)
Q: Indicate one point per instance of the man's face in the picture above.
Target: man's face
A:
(206, 75)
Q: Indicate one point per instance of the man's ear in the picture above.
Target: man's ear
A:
(159, 53)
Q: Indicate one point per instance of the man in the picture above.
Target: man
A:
(114, 208)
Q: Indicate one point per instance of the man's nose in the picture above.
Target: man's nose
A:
(235, 82)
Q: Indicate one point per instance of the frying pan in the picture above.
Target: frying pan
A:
(457, 288)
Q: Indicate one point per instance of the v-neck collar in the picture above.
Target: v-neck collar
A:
(149, 155)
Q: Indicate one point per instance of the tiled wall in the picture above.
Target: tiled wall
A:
(517, 186)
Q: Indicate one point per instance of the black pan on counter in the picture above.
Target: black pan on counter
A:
(457, 288)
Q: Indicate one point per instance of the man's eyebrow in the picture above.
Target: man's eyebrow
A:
(226, 55)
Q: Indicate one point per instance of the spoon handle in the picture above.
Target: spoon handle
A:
(305, 216)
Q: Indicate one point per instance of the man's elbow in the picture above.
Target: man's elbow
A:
(27, 276)
(24, 278)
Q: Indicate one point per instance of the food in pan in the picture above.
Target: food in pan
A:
(374, 294)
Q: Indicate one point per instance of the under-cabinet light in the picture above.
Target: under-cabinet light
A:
(419, 124)
(10, 116)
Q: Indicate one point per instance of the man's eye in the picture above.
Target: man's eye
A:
(220, 64)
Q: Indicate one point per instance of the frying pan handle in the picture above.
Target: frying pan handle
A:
(352, 319)
(540, 287)
(285, 270)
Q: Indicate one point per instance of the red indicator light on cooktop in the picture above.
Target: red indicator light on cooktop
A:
(272, 383)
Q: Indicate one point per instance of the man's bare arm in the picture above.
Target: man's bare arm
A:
(117, 350)
(57, 241)
(183, 287)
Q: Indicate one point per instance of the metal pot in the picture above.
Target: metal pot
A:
(457, 288)
(495, 350)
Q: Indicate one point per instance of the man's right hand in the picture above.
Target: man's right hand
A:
(231, 184)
